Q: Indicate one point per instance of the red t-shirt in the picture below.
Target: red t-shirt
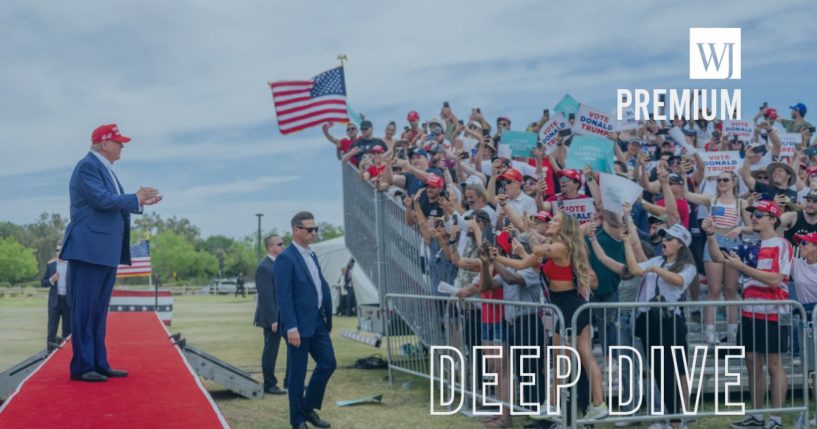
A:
(345, 145)
(683, 210)
(375, 171)
(548, 172)
(493, 313)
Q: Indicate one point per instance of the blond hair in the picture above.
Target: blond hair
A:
(571, 236)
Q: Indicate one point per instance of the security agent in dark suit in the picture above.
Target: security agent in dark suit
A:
(59, 299)
(97, 240)
(266, 313)
(305, 314)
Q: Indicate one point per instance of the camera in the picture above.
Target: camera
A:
(564, 132)
(445, 104)
(812, 129)
(571, 116)
(764, 106)
(546, 112)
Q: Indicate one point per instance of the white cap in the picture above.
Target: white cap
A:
(679, 232)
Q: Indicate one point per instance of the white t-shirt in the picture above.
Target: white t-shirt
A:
(668, 291)
(523, 204)
(805, 281)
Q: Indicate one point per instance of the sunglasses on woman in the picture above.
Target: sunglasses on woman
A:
(724, 179)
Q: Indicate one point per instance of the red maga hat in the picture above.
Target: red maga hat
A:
(413, 116)
(571, 174)
(810, 237)
(513, 175)
(107, 132)
(435, 181)
(769, 207)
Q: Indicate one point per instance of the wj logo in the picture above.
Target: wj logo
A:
(714, 53)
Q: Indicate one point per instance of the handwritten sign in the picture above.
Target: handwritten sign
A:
(591, 121)
(581, 209)
(520, 142)
(597, 152)
(744, 130)
(567, 105)
(716, 163)
(617, 190)
(628, 121)
(789, 143)
(549, 131)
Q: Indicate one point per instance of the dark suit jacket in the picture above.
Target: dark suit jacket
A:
(297, 296)
(99, 231)
(266, 311)
(50, 269)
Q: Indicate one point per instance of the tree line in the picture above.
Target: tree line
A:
(179, 254)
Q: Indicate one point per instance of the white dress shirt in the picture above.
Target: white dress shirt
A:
(62, 271)
(307, 254)
(109, 167)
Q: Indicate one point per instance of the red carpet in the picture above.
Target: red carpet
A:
(161, 390)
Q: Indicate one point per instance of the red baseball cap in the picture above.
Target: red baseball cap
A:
(543, 216)
(811, 170)
(413, 116)
(513, 175)
(503, 240)
(571, 174)
(770, 113)
(435, 181)
(810, 237)
(107, 132)
(769, 207)
(377, 149)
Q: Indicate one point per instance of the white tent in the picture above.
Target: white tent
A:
(333, 255)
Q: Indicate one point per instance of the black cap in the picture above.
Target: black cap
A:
(366, 124)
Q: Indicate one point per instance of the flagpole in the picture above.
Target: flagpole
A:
(342, 58)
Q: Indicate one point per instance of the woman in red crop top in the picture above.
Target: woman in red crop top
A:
(570, 279)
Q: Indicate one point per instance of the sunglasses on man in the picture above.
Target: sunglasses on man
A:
(309, 229)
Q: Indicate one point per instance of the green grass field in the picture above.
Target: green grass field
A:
(222, 326)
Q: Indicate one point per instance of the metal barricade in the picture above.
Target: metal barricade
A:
(361, 206)
(644, 325)
(466, 324)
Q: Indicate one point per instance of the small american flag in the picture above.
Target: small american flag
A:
(140, 261)
(301, 104)
(724, 217)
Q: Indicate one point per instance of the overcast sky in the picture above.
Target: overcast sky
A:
(187, 81)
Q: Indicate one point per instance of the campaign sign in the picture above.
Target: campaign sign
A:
(549, 131)
(597, 152)
(581, 209)
(628, 121)
(743, 129)
(617, 190)
(789, 143)
(591, 121)
(716, 163)
(520, 142)
(567, 105)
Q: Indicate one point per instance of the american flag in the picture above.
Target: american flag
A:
(301, 104)
(724, 217)
(140, 261)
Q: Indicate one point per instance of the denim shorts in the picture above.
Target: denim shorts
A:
(497, 332)
(722, 242)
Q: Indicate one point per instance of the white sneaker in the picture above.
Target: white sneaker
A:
(813, 422)
(596, 413)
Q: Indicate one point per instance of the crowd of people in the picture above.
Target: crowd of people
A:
(494, 227)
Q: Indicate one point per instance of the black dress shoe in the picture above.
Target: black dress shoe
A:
(312, 417)
(274, 390)
(110, 372)
(91, 376)
(300, 426)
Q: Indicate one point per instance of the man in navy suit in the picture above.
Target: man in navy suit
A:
(96, 241)
(59, 299)
(266, 313)
(305, 314)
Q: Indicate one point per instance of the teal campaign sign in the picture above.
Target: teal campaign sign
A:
(567, 105)
(520, 142)
(597, 152)
(353, 116)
